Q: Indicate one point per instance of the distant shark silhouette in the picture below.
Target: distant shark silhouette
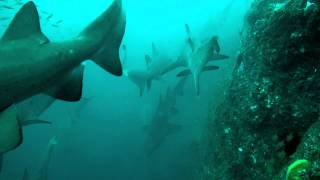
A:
(42, 173)
(31, 64)
(143, 78)
(160, 127)
(172, 94)
(195, 58)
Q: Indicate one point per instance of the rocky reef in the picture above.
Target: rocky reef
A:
(270, 116)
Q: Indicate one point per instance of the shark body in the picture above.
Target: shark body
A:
(30, 64)
(156, 63)
(28, 112)
(160, 126)
(195, 56)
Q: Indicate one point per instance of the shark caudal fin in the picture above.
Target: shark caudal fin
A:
(196, 79)
(108, 30)
(189, 40)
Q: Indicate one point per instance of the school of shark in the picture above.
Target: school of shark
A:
(159, 90)
(35, 72)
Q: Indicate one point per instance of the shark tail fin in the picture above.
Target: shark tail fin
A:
(187, 29)
(109, 30)
(196, 78)
(191, 44)
(189, 40)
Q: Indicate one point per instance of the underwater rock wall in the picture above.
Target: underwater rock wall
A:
(270, 114)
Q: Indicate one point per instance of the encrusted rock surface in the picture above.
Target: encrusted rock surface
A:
(270, 114)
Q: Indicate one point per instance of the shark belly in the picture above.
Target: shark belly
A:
(31, 64)
(22, 76)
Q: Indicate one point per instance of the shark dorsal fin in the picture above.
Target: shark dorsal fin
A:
(25, 24)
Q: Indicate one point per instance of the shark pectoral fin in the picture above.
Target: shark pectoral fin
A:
(70, 89)
(210, 68)
(25, 25)
(33, 107)
(109, 28)
(216, 57)
(10, 130)
(32, 122)
(185, 72)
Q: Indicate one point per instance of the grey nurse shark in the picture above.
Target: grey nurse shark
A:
(160, 126)
(30, 64)
(196, 56)
(156, 63)
(42, 173)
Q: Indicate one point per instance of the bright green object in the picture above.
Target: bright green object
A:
(295, 169)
